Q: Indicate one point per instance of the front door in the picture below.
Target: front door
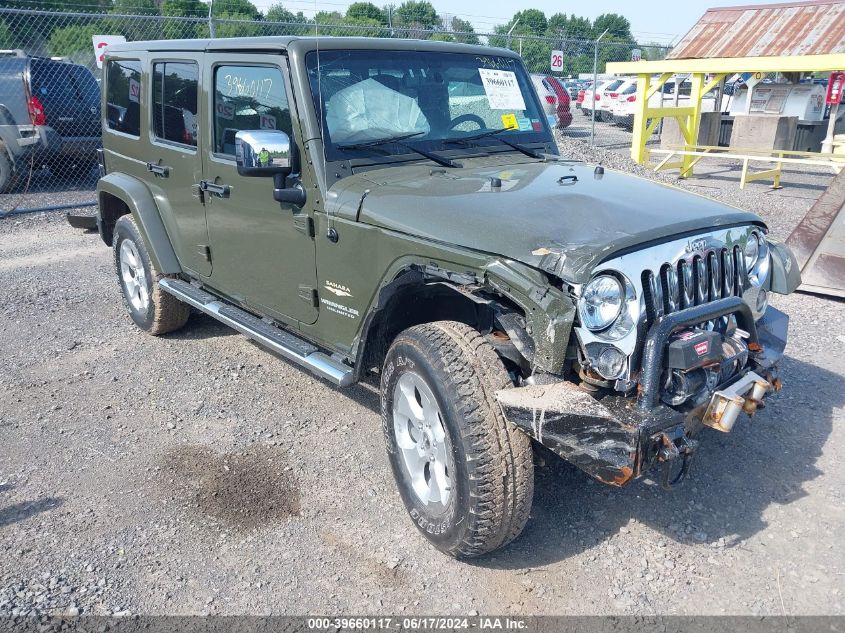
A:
(262, 250)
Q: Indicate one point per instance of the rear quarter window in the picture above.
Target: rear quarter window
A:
(123, 96)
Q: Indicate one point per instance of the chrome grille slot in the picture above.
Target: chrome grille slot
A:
(685, 276)
(694, 281)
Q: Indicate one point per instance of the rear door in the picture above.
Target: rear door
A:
(172, 155)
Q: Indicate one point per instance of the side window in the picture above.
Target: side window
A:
(175, 102)
(248, 98)
(123, 96)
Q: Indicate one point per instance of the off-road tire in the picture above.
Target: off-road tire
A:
(163, 312)
(493, 478)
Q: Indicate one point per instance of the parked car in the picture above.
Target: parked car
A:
(49, 115)
(562, 111)
(362, 224)
(547, 97)
(593, 98)
(624, 107)
(609, 96)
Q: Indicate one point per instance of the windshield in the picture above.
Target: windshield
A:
(371, 95)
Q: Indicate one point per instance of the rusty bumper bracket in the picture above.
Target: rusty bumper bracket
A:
(674, 445)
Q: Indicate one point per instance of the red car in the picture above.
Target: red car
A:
(564, 116)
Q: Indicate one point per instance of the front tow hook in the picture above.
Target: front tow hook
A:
(674, 445)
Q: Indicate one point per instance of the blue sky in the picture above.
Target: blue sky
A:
(658, 20)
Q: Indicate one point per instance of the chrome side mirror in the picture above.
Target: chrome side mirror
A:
(263, 152)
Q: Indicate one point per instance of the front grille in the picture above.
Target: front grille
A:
(692, 281)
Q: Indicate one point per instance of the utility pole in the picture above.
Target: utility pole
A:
(595, 88)
(510, 30)
(210, 20)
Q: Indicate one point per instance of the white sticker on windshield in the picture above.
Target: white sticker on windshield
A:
(502, 89)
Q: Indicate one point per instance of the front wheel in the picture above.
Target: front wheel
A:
(465, 475)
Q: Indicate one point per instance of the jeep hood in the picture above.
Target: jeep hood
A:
(558, 216)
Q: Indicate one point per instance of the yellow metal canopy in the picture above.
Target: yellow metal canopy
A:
(797, 63)
(704, 75)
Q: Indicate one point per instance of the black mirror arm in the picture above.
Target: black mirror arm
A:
(293, 194)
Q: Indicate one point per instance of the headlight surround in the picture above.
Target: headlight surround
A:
(751, 252)
(601, 302)
(758, 271)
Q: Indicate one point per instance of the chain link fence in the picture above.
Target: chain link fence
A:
(50, 89)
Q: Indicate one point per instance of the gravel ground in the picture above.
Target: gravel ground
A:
(194, 473)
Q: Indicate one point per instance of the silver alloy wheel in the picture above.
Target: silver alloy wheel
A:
(421, 436)
(133, 276)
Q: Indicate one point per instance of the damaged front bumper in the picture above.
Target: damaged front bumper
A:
(616, 438)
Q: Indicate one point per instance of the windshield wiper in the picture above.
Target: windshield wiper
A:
(467, 140)
(380, 141)
(398, 140)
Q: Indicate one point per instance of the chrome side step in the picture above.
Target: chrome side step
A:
(275, 339)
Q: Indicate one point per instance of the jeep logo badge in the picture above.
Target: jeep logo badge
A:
(696, 245)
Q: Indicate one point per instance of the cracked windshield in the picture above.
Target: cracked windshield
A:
(428, 99)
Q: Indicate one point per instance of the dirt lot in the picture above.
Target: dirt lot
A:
(195, 473)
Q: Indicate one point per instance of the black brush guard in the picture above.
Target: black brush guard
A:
(615, 438)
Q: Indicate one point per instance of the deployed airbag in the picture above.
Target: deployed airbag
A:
(369, 110)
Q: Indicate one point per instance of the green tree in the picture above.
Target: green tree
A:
(6, 39)
(572, 27)
(359, 12)
(531, 21)
(416, 14)
(184, 8)
(134, 30)
(244, 9)
(177, 29)
(328, 17)
(463, 32)
(135, 7)
(235, 25)
(618, 27)
(278, 13)
(71, 40)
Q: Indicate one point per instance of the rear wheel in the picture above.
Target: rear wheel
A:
(465, 475)
(153, 310)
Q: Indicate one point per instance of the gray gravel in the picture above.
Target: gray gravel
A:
(195, 473)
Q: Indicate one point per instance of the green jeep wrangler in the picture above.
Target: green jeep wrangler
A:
(400, 207)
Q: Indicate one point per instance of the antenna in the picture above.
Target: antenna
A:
(331, 231)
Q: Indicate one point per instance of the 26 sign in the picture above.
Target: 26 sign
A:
(557, 61)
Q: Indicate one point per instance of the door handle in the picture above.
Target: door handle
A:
(158, 170)
(221, 191)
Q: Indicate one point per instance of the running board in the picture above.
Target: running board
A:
(273, 338)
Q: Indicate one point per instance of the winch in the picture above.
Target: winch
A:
(697, 360)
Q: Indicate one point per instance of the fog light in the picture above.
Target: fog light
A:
(611, 363)
(762, 300)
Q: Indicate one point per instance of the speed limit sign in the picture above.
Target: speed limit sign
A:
(557, 61)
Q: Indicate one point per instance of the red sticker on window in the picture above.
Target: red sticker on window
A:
(701, 348)
(537, 126)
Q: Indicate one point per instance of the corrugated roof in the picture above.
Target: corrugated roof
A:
(766, 30)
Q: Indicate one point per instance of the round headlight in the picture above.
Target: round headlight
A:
(601, 302)
(752, 251)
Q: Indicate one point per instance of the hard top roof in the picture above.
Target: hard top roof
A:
(281, 43)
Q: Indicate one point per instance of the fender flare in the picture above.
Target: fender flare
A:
(143, 208)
